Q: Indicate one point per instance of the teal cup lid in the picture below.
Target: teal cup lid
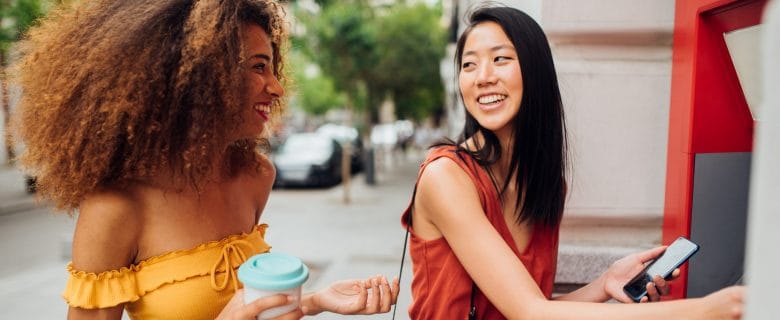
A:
(273, 271)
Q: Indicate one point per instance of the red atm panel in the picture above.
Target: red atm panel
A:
(708, 111)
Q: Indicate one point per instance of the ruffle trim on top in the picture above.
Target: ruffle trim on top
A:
(107, 289)
(110, 288)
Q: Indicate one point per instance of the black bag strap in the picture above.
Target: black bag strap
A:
(403, 255)
(473, 308)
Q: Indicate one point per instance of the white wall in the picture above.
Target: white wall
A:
(763, 259)
(614, 65)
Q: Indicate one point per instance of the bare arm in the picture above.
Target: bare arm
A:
(505, 280)
(105, 239)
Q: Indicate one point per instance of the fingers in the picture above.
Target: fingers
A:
(373, 301)
(362, 291)
(675, 274)
(650, 254)
(734, 300)
(652, 292)
(660, 285)
(251, 310)
(387, 296)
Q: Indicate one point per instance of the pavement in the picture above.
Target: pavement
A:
(336, 240)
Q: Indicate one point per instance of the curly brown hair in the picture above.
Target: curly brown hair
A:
(121, 91)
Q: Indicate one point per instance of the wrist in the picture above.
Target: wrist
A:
(603, 293)
(310, 304)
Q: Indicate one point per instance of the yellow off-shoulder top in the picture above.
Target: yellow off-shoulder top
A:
(186, 284)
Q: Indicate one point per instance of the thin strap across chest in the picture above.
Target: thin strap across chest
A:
(407, 218)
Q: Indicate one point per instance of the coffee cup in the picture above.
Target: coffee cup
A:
(273, 273)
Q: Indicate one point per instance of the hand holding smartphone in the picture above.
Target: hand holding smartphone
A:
(675, 255)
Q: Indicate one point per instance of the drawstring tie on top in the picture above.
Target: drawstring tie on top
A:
(232, 249)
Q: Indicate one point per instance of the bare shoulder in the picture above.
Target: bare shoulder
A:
(445, 175)
(440, 184)
(259, 182)
(107, 231)
(264, 174)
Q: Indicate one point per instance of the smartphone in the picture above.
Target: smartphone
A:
(675, 255)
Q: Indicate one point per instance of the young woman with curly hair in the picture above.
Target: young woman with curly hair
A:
(145, 118)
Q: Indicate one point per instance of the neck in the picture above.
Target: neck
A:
(501, 167)
(506, 142)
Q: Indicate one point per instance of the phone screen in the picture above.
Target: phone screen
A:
(674, 256)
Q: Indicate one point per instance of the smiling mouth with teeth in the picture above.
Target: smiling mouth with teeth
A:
(491, 99)
(264, 110)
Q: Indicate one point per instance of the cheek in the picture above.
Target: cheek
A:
(252, 85)
(517, 78)
(463, 82)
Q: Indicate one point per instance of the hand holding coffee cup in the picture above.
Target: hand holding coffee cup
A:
(273, 273)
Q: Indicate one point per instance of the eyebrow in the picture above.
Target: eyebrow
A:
(261, 56)
(496, 48)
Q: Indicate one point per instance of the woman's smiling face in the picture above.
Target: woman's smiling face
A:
(490, 78)
(260, 88)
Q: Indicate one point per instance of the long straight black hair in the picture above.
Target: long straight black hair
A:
(539, 148)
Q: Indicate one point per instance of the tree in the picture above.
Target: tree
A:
(342, 42)
(412, 44)
(315, 92)
(16, 16)
(373, 52)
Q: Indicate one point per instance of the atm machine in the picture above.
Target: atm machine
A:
(710, 144)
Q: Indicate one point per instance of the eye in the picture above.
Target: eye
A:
(502, 58)
(259, 67)
(467, 65)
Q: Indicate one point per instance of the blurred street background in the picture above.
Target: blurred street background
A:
(374, 85)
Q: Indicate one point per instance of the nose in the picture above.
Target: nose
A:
(274, 87)
(485, 74)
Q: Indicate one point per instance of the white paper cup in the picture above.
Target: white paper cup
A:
(273, 273)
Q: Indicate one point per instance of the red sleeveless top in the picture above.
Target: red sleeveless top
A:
(441, 287)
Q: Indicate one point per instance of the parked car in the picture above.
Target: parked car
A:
(344, 134)
(308, 159)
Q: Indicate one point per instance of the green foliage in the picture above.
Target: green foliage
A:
(315, 94)
(412, 44)
(372, 52)
(343, 40)
(17, 16)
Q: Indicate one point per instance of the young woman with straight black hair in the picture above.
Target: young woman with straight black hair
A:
(486, 209)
